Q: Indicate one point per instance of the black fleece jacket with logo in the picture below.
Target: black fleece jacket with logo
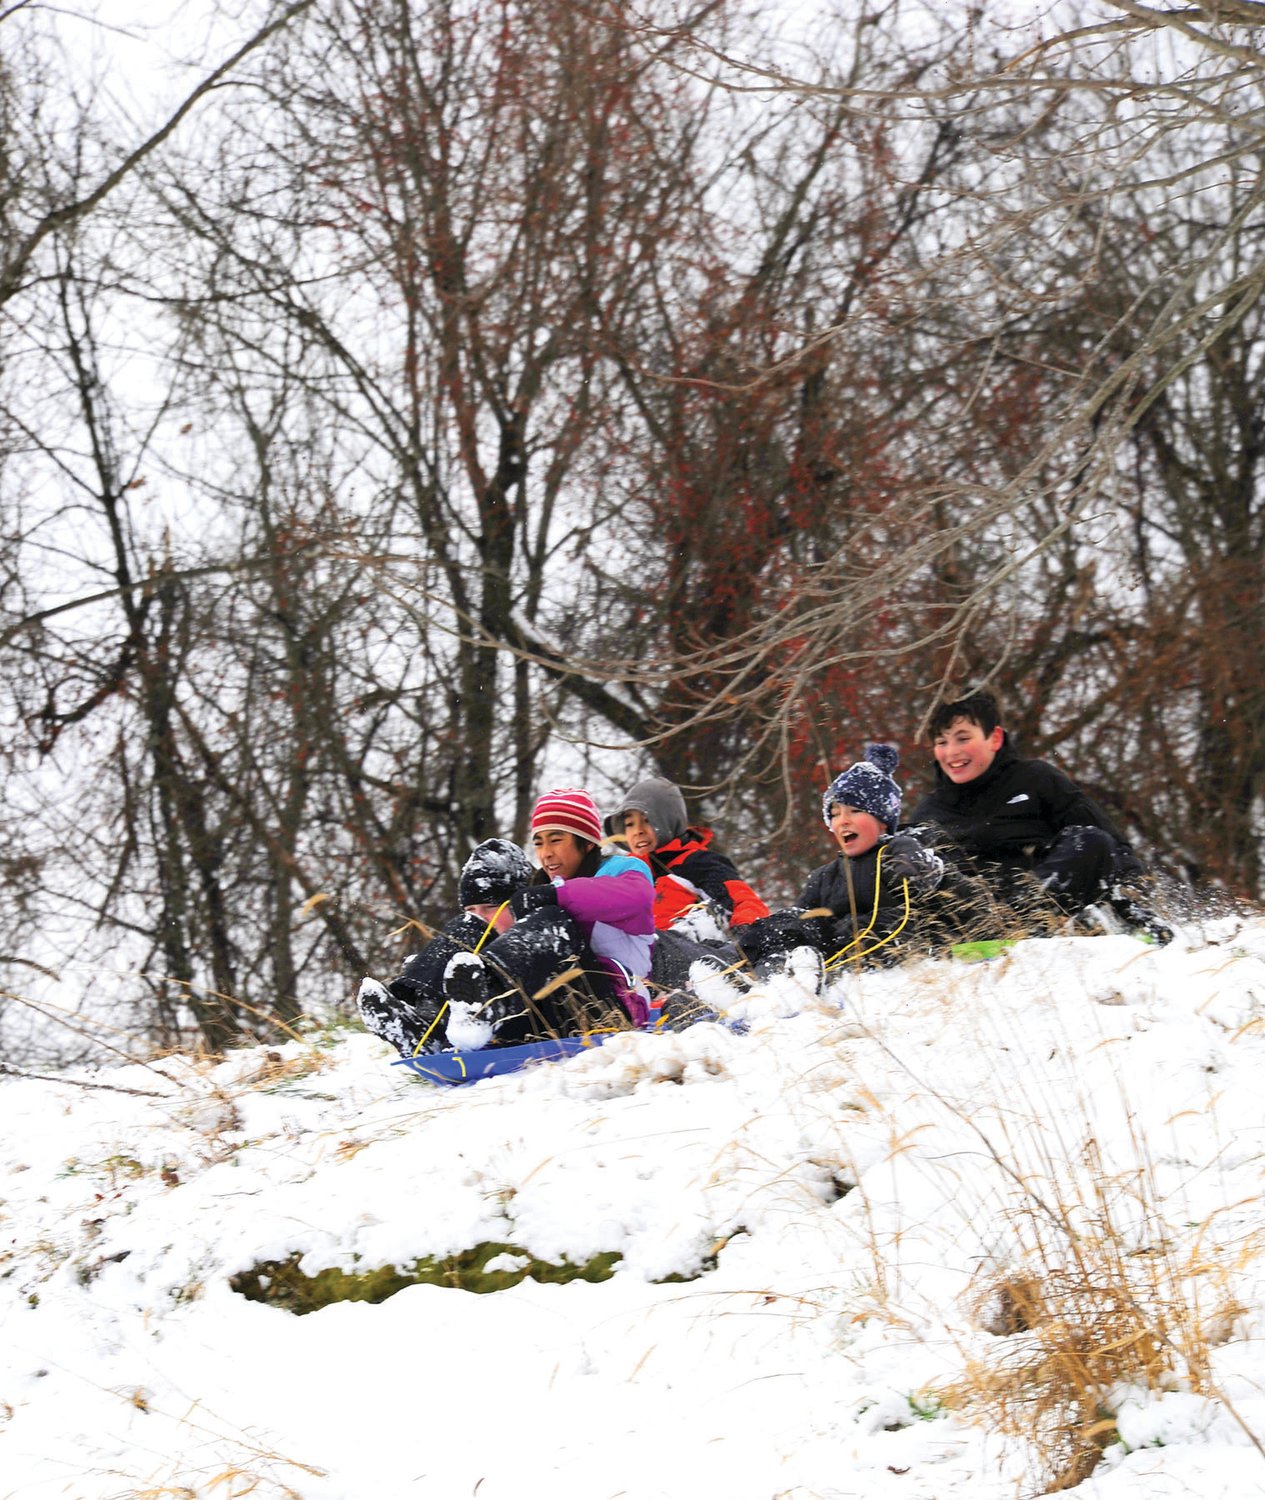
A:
(1013, 812)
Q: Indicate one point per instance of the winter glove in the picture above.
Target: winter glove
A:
(920, 867)
(777, 933)
(755, 938)
(533, 898)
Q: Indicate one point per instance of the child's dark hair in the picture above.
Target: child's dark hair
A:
(979, 707)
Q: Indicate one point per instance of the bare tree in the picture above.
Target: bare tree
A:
(481, 389)
(1061, 358)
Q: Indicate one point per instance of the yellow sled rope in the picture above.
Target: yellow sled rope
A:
(843, 954)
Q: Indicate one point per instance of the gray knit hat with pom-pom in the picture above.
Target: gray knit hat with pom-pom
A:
(868, 786)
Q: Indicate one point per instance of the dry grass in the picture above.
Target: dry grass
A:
(1075, 1335)
(1088, 1310)
(1097, 1285)
(255, 1469)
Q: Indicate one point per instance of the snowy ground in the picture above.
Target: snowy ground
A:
(812, 1224)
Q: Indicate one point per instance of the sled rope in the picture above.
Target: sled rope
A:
(834, 958)
(496, 917)
(895, 931)
(869, 927)
(439, 1015)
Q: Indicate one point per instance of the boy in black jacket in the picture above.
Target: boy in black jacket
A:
(856, 905)
(406, 1011)
(1015, 822)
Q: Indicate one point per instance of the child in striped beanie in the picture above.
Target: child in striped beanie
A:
(585, 914)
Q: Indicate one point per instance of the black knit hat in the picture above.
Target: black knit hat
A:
(493, 873)
(868, 786)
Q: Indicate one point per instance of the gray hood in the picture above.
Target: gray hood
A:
(662, 804)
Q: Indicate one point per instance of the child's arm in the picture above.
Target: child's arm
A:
(716, 876)
(747, 906)
(904, 858)
(625, 900)
(1067, 806)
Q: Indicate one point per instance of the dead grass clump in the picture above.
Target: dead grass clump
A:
(1102, 1294)
(276, 1069)
(1072, 1338)
(1076, 1335)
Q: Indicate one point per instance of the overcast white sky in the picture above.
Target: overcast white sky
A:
(148, 55)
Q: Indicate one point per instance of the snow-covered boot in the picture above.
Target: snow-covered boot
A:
(807, 967)
(466, 990)
(710, 983)
(406, 1027)
(1137, 918)
(466, 981)
(769, 966)
(474, 1012)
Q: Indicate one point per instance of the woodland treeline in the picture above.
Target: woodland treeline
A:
(452, 395)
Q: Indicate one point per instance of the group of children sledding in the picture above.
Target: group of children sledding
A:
(591, 941)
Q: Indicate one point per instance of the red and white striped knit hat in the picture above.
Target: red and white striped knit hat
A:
(568, 810)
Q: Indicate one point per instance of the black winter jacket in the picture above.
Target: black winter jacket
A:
(1013, 812)
(903, 857)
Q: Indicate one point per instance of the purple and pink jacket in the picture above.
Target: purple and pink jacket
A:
(615, 911)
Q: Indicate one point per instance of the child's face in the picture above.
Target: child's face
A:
(642, 839)
(963, 751)
(501, 917)
(560, 854)
(857, 832)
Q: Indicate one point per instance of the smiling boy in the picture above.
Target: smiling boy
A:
(1008, 818)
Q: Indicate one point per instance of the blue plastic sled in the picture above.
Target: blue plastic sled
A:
(469, 1067)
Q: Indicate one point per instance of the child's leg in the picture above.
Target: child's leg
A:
(1083, 868)
(407, 1021)
(424, 972)
(418, 993)
(407, 1012)
(1077, 868)
(767, 941)
(515, 986)
(674, 953)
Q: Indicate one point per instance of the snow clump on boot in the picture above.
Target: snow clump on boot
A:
(710, 984)
(806, 966)
(466, 988)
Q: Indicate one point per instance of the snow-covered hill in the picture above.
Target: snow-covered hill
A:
(950, 1231)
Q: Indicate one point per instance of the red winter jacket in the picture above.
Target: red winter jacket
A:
(687, 870)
